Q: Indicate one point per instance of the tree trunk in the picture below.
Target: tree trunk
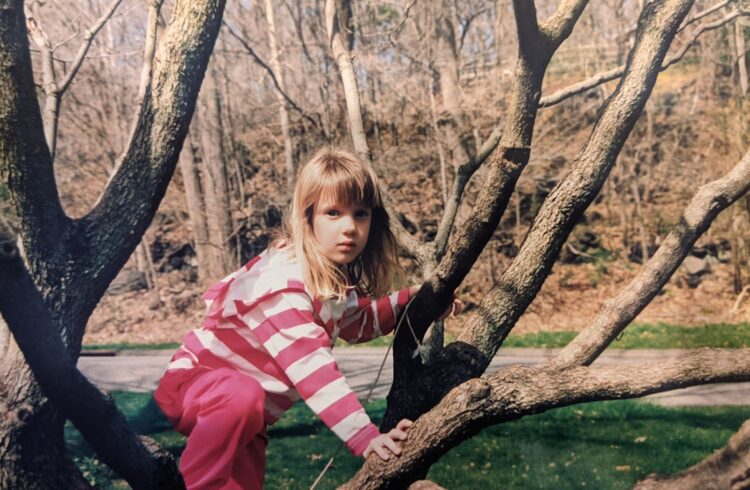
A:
(31, 433)
(739, 41)
(216, 185)
(74, 260)
(283, 113)
(196, 208)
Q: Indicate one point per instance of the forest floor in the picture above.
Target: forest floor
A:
(569, 299)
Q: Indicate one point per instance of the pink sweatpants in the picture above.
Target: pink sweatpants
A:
(221, 412)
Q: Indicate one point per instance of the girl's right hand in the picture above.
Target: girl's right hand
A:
(385, 444)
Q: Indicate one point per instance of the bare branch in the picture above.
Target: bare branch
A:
(149, 50)
(705, 13)
(616, 314)
(463, 175)
(614, 73)
(49, 78)
(264, 65)
(559, 25)
(517, 391)
(88, 39)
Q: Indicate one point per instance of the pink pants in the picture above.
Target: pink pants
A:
(221, 412)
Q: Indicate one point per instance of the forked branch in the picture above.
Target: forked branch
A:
(616, 314)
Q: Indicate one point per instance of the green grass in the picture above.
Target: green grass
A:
(599, 445)
(650, 336)
(654, 336)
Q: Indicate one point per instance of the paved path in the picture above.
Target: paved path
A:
(140, 371)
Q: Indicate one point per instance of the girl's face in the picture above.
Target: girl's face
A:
(341, 229)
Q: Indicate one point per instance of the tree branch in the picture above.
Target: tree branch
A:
(463, 175)
(49, 78)
(346, 70)
(517, 391)
(559, 25)
(555, 29)
(506, 162)
(25, 159)
(110, 231)
(616, 314)
(264, 65)
(55, 370)
(88, 39)
(614, 73)
(520, 283)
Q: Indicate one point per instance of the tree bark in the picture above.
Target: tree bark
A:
(517, 391)
(73, 261)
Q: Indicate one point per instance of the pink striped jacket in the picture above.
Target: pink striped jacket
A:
(262, 321)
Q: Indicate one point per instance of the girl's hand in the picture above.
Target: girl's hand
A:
(385, 444)
(454, 309)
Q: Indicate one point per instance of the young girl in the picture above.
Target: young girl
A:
(267, 338)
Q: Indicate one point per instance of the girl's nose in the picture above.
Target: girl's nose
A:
(349, 225)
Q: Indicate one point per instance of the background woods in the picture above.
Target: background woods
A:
(450, 97)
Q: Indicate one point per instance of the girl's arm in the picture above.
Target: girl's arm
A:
(284, 324)
(366, 318)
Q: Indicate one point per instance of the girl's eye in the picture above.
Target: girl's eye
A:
(362, 213)
(332, 212)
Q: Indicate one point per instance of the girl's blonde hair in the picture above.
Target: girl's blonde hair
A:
(341, 177)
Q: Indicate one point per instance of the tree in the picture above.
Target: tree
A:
(450, 403)
(72, 260)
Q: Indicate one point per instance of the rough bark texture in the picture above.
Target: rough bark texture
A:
(73, 261)
(516, 391)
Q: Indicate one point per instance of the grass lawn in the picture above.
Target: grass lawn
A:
(599, 445)
(651, 336)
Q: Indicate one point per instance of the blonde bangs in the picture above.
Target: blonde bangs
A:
(340, 177)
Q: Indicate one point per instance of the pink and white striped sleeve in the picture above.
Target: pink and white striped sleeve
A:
(366, 318)
(302, 348)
